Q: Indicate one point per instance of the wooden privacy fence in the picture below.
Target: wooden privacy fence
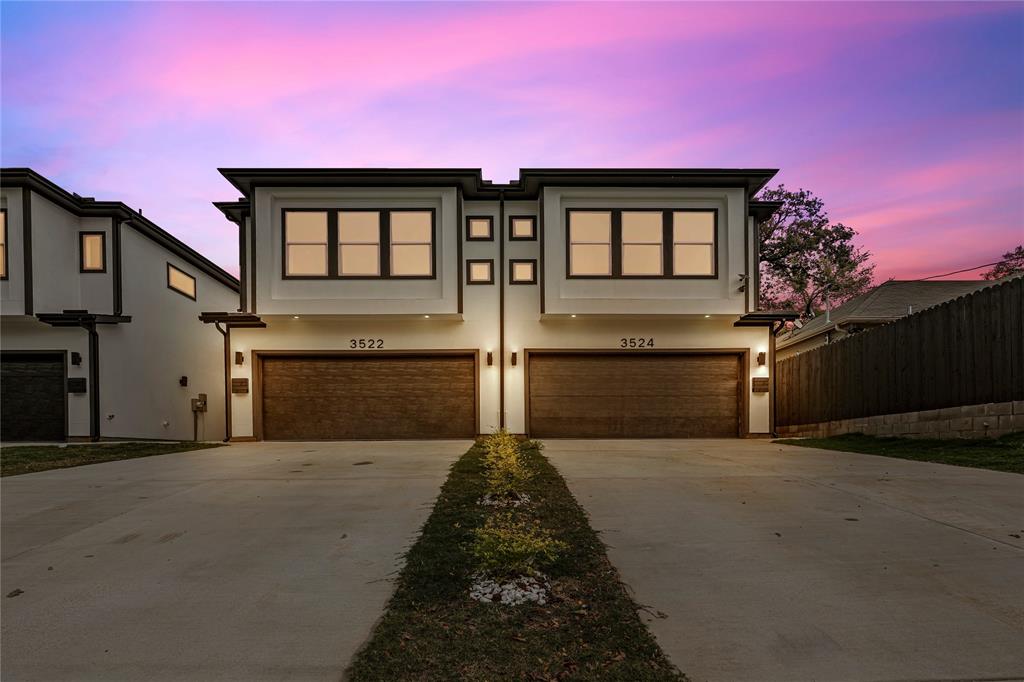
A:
(966, 351)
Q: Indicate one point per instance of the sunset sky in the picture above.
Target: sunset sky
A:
(907, 119)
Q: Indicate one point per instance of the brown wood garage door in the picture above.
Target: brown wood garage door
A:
(32, 397)
(368, 397)
(636, 395)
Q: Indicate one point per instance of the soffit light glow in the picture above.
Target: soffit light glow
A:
(295, 317)
(706, 316)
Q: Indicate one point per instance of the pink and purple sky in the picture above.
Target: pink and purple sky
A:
(907, 119)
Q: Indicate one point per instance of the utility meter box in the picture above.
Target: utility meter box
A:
(199, 404)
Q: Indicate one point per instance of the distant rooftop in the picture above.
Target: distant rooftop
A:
(888, 301)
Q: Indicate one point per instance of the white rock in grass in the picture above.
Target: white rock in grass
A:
(511, 592)
(491, 500)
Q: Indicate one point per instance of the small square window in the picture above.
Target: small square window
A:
(479, 228)
(522, 228)
(92, 252)
(180, 281)
(522, 272)
(480, 272)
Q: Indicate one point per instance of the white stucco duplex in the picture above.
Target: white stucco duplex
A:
(431, 303)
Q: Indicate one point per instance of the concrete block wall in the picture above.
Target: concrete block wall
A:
(989, 420)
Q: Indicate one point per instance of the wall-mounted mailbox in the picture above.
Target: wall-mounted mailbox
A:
(760, 385)
(239, 385)
(76, 385)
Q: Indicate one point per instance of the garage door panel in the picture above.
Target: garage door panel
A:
(633, 395)
(360, 397)
(32, 397)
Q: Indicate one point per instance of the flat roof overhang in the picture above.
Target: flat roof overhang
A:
(78, 318)
(233, 320)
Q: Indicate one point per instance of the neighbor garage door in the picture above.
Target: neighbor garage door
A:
(368, 397)
(633, 395)
(32, 397)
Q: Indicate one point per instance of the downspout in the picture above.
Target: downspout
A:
(94, 380)
(772, 333)
(226, 333)
(501, 308)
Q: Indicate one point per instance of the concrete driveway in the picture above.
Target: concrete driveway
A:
(262, 561)
(768, 562)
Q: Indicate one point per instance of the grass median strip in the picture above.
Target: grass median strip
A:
(27, 459)
(586, 627)
(999, 454)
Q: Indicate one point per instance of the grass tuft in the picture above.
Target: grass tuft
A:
(27, 459)
(433, 630)
(999, 454)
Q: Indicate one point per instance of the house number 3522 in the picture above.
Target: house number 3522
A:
(636, 342)
(366, 343)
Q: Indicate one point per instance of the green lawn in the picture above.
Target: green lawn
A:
(432, 630)
(25, 459)
(999, 454)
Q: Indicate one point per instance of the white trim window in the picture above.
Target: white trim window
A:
(693, 243)
(412, 244)
(642, 235)
(359, 243)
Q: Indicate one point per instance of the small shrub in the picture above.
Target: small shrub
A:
(510, 546)
(505, 470)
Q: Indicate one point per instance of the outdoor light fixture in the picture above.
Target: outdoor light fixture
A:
(490, 358)
(426, 317)
(183, 381)
(572, 315)
(761, 357)
(706, 316)
(239, 357)
(514, 358)
(76, 358)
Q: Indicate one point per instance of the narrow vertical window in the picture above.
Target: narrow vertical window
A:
(641, 243)
(3, 244)
(359, 243)
(305, 237)
(412, 243)
(590, 243)
(181, 281)
(92, 252)
(693, 243)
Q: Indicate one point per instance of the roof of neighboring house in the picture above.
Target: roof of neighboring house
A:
(89, 207)
(473, 185)
(886, 302)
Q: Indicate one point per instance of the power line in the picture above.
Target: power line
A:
(957, 272)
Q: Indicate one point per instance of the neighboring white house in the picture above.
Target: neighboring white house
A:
(99, 328)
(888, 301)
(424, 303)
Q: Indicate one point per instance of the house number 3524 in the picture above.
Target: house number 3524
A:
(636, 342)
(366, 343)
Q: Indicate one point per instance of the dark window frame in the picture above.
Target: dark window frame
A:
(176, 290)
(667, 244)
(384, 244)
(7, 247)
(472, 282)
(490, 228)
(533, 232)
(523, 282)
(81, 252)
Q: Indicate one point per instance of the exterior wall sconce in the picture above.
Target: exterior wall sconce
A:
(761, 358)
(514, 358)
(239, 357)
(490, 358)
(183, 381)
(76, 358)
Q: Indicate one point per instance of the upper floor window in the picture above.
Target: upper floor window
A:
(642, 243)
(305, 243)
(412, 237)
(642, 236)
(181, 281)
(359, 243)
(522, 228)
(693, 243)
(590, 243)
(3, 243)
(368, 243)
(92, 252)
